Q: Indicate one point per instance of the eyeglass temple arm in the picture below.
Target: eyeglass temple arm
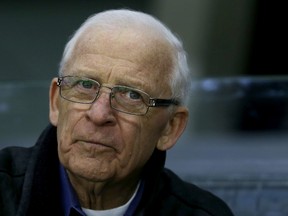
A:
(163, 102)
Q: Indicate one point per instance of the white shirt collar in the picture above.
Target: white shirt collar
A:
(118, 211)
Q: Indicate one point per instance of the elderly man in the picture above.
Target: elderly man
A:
(116, 107)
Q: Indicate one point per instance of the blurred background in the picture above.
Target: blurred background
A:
(236, 142)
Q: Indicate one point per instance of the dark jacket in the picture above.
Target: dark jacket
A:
(29, 185)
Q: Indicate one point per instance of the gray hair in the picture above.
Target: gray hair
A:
(180, 77)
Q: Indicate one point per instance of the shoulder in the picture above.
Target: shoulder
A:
(193, 197)
(14, 160)
(13, 169)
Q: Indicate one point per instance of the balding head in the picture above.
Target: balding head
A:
(134, 34)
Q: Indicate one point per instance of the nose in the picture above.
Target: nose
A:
(104, 89)
(100, 111)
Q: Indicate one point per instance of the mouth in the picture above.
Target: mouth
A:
(95, 145)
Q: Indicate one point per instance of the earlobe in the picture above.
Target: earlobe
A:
(53, 102)
(174, 128)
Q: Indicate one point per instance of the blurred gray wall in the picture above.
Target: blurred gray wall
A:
(215, 33)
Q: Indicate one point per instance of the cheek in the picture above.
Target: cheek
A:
(143, 140)
(154, 124)
(68, 119)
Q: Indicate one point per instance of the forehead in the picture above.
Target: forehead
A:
(141, 45)
(134, 52)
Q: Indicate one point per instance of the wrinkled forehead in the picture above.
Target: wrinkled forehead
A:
(141, 45)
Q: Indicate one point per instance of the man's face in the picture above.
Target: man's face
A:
(96, 142)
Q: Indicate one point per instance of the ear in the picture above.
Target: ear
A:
(54, 102)
(174, 128)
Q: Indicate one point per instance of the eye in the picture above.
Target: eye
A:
(133, 95)
(86, 84)
(125, 93)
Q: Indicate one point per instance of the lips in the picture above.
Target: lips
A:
(95, 144)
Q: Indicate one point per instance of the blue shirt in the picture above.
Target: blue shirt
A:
(70, 202)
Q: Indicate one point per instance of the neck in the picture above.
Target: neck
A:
(103, 195)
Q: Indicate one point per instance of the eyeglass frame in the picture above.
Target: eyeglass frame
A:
(153, 102)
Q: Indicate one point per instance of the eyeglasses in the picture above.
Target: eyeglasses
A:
(122, 98)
